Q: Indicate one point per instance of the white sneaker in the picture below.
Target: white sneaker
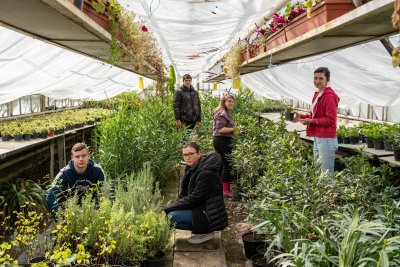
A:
(200, 238)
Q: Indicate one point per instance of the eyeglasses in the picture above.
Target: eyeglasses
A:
(189, 155)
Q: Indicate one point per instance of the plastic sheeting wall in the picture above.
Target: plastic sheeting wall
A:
(29, 66)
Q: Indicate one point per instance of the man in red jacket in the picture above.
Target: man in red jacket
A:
(321, 122)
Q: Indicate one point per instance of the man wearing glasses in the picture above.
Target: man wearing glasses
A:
(187, 107)
(200, 205)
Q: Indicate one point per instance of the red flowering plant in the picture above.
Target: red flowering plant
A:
(291, 12)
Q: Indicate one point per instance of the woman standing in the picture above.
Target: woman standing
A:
(321, 122)
(223, 128)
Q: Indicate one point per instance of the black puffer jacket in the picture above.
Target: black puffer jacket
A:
(202, 193)
(187, 105)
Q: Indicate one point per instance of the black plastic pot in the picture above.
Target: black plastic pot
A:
(259, 260)
(250, 242)
(370, 143)
(362, 138)
(261, 249)
(289, 116)
(18, 137)
(27, 137)
(44, 135)
(159, 261)
(378, 144)
(388, 145)
(354, 140)
(339, 139)
(90, 122)
(35, 135)
(5, 137)
(346, 140)
(236, 196)
(396, 153)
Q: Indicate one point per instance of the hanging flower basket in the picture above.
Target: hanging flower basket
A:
(321, 14)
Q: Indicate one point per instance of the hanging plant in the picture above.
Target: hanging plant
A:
(172, 79)
(131, 40)
(233, 61)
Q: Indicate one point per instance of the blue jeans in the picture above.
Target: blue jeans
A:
(182, 219)
(324, 153)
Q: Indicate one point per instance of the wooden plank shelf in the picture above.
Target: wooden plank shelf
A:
(16, 157)
(290, 126)
(390, 160)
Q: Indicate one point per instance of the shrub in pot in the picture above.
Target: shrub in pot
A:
(289, 115)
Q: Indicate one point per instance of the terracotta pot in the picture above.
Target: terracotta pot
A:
(321, 14)
(276, 39)
(101, 19)
(246, 55)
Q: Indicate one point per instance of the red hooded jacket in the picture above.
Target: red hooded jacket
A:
(324, 120)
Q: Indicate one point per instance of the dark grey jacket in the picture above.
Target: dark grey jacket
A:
(202, 193)
(187, 105)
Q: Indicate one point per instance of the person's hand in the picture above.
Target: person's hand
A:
(296, 117)
(305, 121)
(198, 124)
(179, 124)
(236, 129)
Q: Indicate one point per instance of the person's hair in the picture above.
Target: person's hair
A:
(325, 71)
(222, 103)
(187, 76)
(193, 145)
(79, 147)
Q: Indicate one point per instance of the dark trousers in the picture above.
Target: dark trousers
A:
(223, 145)
(189, 124)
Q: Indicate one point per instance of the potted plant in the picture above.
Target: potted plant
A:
(6, 133)
(233, 61)
(289, 115)
(396, 147)
(340, 133)
(251, 240)
(353, 135)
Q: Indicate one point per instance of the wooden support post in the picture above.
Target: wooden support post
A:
(61, 151)
(52, 158)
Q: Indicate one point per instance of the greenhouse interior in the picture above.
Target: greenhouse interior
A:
(185, 133)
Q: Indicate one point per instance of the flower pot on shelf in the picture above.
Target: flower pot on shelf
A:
(378, 144)
(101, 19)
(289, 116)
(321, 14)
(346, 140)
(6, 137)
(27, 137)
(354, 140)
(396, 153)
(18, 137)
(370, 143)
(340, 140)
(246, 55)
(276, 39)
(388, 145)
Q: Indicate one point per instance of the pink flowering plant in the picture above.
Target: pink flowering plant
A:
(291, 12)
